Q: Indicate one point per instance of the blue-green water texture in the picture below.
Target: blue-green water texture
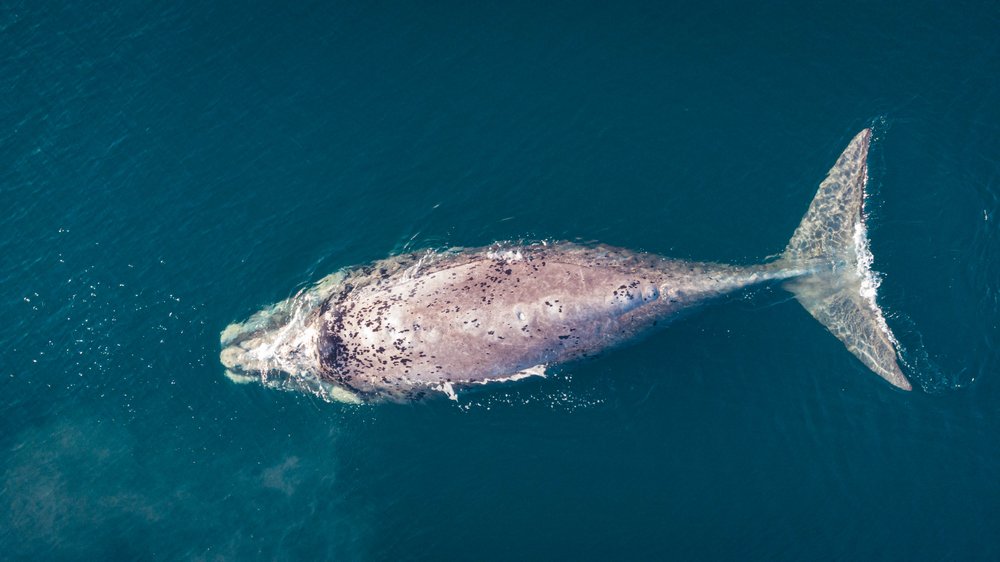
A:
(169, 168)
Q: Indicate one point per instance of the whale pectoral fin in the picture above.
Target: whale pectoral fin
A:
(336, 393)
(448, 390)
(536, 371)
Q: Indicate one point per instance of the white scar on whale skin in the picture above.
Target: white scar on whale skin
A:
(439, 323)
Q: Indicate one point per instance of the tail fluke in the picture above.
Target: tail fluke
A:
(831, 243)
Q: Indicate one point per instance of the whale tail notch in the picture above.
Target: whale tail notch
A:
(838, 287)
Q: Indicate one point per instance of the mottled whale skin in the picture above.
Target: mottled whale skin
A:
(435, 323)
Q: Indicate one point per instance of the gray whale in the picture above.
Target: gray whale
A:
(435, 323)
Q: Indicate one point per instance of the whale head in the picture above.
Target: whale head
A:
(265, 346)
(279, 348)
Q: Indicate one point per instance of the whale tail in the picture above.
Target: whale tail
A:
(831, 247)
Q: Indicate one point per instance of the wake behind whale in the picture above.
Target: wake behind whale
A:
(416, 325)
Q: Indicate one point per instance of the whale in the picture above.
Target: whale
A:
(442, 322)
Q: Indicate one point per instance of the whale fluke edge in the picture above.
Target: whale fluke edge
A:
(438, 323)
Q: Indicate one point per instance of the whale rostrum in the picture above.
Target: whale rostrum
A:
(439, 322)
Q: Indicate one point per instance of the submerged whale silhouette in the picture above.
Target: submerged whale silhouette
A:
(438, 322)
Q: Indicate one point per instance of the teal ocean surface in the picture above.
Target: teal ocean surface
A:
(167, 169)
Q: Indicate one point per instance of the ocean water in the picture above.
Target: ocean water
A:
(166, 169)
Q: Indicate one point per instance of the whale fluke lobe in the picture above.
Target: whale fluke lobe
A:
(831, 243)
